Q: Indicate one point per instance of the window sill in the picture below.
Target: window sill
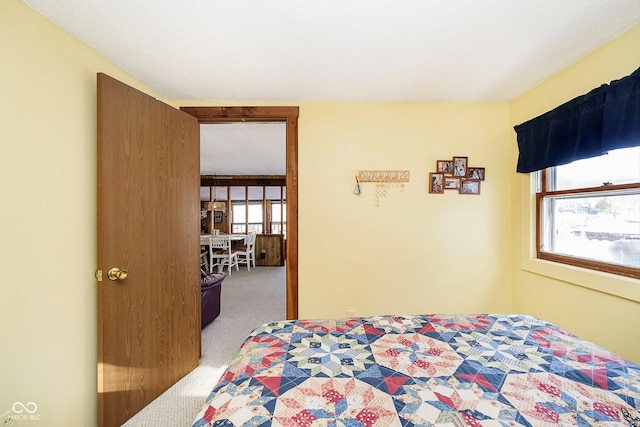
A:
(620, 286)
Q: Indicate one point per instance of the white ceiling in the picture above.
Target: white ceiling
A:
(342, 50)
(338, 50)
(244, 148)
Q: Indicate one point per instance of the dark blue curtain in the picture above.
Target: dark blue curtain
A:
(590, 125)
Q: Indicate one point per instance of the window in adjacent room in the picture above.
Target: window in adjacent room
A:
(588, 213)
(279, 218)
(246, 214)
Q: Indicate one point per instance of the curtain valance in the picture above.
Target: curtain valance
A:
(590, 125)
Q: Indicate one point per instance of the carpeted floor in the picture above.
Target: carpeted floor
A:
(248, 299)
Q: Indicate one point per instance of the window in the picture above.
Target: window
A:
(246, 208)
(589, 213)
(240, 220)
(279, 218)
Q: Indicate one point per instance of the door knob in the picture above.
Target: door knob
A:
(117, 274)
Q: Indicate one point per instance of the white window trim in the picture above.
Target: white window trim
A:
(621, 286)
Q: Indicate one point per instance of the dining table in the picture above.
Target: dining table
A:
(234, 237)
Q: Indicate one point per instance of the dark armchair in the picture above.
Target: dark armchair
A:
(211, 290)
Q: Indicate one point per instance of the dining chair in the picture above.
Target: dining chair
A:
(221, 251)
(204, 260)
(205, 242)
(247, 253)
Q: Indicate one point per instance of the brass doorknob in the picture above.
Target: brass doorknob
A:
(117, 274)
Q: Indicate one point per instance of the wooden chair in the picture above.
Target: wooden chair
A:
(204, 260)
(205, 242)
(222, 254)
(247, 253)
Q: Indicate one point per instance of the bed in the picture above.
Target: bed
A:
(422, 370)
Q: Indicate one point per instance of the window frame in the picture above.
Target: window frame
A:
(546, 177)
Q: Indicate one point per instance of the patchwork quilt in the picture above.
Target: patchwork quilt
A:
(423, 370)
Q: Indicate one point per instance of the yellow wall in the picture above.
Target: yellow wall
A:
(48, 218)
(599, 307)
(415, 253)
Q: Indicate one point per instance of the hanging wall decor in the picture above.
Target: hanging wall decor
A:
(358, 190)
(457, 175)
(383, 180)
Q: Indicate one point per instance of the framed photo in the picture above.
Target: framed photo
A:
(470, 187)
(452, 183)
(436, 182)
(476, 173)
(445, 166)
(460, 166)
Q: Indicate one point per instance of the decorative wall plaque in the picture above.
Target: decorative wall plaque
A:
(383, 180)
(383, 176)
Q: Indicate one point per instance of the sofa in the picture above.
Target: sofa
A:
(211, 289)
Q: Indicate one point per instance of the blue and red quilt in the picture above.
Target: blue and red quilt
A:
(423, 370)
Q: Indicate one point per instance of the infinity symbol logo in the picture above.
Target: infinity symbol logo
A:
(19, 407)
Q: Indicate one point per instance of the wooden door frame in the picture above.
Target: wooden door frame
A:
(271, 114)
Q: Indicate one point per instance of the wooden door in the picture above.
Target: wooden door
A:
(148, 225)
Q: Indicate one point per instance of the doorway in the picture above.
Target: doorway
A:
(288, 115)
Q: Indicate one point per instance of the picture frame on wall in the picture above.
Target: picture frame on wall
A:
(460, 166)
(436, 183)
(469, 186)
(445, 166)
(475, 173)
(456, 174)
(452, 183)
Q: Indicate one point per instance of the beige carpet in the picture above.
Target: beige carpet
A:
(248, 299)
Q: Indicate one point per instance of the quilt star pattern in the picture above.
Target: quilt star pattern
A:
(422, 370)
